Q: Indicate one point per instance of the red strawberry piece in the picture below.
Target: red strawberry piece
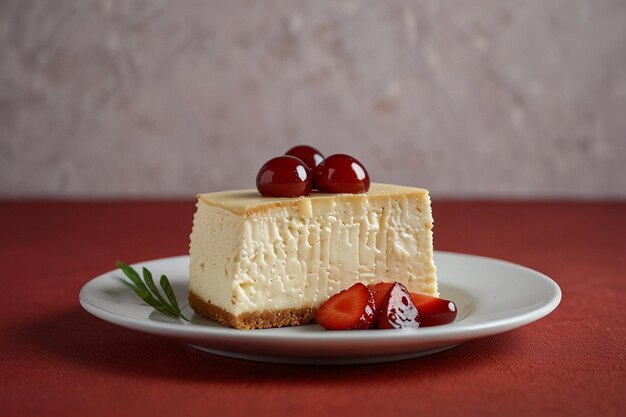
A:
(434, 311)
(351, 309)
(379, 291)
(397, 310)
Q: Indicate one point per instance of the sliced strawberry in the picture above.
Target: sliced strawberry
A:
(433, 311)
(397, 311)
(379, 291)
(350, 309)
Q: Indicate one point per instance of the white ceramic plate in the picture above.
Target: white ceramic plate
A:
(492, 297)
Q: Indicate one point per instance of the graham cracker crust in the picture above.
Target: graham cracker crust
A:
(257, 320)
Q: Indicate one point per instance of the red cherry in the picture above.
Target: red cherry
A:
(284, 176)
(308, 154)
(341, 173)
(397, 310)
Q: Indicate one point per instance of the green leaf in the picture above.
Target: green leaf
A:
(151, 301)
(147, 277)
(169, 292)
(129, 284)
(147, 297)
(132, 274)
(149, 293)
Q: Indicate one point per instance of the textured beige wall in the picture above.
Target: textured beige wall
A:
(467, 98)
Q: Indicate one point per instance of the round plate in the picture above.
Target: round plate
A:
(492, 296)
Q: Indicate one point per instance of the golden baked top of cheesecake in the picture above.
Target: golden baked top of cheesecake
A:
(249, 202)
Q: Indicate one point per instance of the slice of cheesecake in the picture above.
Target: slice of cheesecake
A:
(259, 262)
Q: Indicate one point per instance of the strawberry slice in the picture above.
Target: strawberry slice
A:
(379, 291)
(433, 311)
(397, 310)
(351, 309)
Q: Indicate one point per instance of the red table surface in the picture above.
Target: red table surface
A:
(58, 360)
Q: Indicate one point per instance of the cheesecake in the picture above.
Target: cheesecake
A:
(261, 262)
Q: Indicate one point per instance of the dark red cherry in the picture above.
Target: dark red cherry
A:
(341, 173)
(308, 154)
(284, 176)
(397, 310)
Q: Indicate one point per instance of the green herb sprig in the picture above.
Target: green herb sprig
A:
(150, 294)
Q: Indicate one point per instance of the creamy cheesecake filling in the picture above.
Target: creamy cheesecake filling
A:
(253, 254)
